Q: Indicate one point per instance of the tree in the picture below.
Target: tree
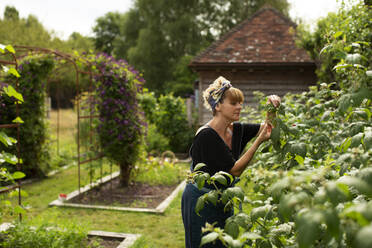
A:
(11, 13)
(106, 30)
(157, 36)
(30, 32)
(78, 42)
(341, 27)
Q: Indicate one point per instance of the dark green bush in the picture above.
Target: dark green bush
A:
(168, 113)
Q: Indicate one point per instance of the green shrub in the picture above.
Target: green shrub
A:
(155, 142)
(168, 113)
(45, 236)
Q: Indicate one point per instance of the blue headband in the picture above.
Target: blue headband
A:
(216, 95)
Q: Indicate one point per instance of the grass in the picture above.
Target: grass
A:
(165, 230)
(158, 231)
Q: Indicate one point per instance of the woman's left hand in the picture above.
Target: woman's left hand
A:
(265, 133)
(274, 100)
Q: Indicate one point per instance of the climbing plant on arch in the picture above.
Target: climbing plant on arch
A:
(120, 121)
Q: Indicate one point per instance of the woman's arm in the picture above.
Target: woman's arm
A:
(275, 101)
(243, 161)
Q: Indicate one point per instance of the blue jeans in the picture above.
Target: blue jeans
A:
(193, 222)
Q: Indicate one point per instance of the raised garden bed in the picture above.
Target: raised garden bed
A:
(105, 194)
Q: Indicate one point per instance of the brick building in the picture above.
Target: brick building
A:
(259, 54)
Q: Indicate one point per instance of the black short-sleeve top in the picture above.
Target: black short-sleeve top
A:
(209, 148)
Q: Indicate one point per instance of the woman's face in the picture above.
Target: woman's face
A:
(230, 109)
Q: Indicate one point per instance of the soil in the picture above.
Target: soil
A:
(103, 242)
(138, 195)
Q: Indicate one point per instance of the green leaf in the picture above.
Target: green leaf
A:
(278, 188)
(19, 210)
(210, 237)
(232, 228)
(220, 179)
(359, 96)
(212, 197)
(200, 181)
(236, 244)
(199, 166)
(353, 58)
(235, 192)
(226, 175)
(299, 159)
(9, 158)
(367, 140)
(358, 184)
(363, 237)
(275, 134)
(342, 66)
(366, 175)
(356, 140)
(344, 102)
(356, 127)
(335, 194)
(10, 49)
(345, 144)
(361, 212)
(11, 92)
(259, 212)
(6, 140)
(361, 114)
(320, 138)
(251, 236)
(18, 175)
(282, 229)
(299, 149)
(338, 34)
(18, 120)
(14, 72)
(324, 49)
(355, 214)
(199, 205)
(308, 226)
(243, 220)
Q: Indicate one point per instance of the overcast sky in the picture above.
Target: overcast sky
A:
(67, 16)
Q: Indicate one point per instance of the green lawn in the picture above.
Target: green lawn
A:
(158, 230)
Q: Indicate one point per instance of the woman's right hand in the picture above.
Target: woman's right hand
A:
(265, 133)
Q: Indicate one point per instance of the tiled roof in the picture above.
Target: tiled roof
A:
(265, 37)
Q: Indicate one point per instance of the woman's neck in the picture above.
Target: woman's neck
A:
(219, 124)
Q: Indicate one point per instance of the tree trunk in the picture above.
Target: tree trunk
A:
(124, 176)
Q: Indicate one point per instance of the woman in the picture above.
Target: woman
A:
(218, 144)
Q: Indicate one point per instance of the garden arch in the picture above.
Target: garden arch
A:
(81, 66)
